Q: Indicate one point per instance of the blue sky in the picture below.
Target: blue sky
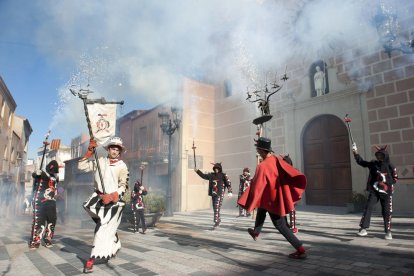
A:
(32, 81)
(136, 50)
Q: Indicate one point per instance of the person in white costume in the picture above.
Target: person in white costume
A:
(106, 204)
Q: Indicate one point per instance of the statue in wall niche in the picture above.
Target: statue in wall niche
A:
(319, 80)
(319, 85)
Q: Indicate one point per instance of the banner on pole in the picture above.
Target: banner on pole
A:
(103, 121)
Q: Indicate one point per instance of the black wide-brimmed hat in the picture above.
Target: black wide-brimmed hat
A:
(264, 144)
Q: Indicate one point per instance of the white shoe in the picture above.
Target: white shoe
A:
(362, 232)
(388, 236)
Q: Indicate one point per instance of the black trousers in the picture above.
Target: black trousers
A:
(139, 217)
(217, 203)
(46, 222)
(279, 223)
(386, 209)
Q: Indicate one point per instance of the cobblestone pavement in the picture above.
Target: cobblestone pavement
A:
(185, 245)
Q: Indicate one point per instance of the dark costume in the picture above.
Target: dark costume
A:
(137, 205)
(245, 179)
(44, 205)
(217, 183)
(275, 188)
(380, 185)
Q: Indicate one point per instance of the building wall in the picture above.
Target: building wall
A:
(234, 137)
(143, 138)
(221, 124)
(374, 89)
(381, 114)
(198, 125)
(7, 108)
(14, 136)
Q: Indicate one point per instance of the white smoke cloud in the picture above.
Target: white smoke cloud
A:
(134, 50)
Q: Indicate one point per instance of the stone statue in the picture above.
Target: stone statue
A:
(319, 80)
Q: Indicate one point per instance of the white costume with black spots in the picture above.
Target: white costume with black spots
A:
(107, 217)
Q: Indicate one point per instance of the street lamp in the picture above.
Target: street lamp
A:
(168, 126)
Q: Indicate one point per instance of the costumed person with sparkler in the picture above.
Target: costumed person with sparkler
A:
(218, 182)
(275, 188)
(245, 179)
(106, 204)
(380, 185)
(44, 204)
(138, 206)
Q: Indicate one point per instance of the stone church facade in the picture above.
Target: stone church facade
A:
(380, 100)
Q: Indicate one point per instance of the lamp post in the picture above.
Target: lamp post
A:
(168, 126)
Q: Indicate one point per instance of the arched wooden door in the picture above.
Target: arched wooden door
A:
(327, 162)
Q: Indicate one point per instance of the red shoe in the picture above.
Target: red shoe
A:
(88, 266)
(254, 235)
(299, 254)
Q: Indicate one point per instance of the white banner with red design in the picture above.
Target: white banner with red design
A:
(103, 120)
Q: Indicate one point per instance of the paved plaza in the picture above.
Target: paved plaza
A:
(185, 245)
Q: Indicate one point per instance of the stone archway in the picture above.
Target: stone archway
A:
(327, 162)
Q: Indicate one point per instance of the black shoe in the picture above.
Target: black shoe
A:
(48, 244)
(298, 255)
(216, 225)
(33, 246)
(254, 235)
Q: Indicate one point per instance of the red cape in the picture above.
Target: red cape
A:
(276, 187)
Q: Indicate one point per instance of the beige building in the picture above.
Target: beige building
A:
(14, 137)
(8, 107)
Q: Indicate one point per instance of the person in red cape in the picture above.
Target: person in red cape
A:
(275, 188)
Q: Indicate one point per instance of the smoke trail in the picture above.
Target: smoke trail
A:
(136, 50)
